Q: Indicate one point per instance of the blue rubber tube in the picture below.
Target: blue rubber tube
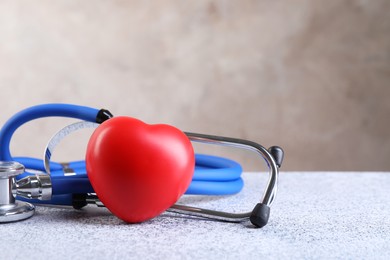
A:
(213, 175)
(35, 112)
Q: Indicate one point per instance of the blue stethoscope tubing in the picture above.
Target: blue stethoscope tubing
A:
(212, 176)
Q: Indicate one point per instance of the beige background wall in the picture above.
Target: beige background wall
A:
(310, 76)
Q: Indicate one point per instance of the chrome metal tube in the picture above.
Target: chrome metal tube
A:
(210, 214)
(260, 214)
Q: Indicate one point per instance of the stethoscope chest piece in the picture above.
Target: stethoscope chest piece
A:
(11, 210)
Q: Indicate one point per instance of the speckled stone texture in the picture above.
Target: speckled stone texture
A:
(310, 76)
(316, 215)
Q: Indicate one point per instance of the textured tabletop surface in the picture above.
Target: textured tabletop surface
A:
(316, 215)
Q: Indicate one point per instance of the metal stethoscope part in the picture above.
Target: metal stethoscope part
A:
(11, 210)
(260, 214)
(39, 187)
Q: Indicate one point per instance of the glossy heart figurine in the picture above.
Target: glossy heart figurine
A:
(139, 170)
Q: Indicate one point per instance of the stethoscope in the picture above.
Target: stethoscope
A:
(26, 180)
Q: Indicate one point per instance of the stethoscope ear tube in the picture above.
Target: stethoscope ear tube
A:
(260, 214)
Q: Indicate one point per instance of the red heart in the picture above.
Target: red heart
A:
(139, 170)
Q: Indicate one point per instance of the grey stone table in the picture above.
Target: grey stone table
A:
(316, 215)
